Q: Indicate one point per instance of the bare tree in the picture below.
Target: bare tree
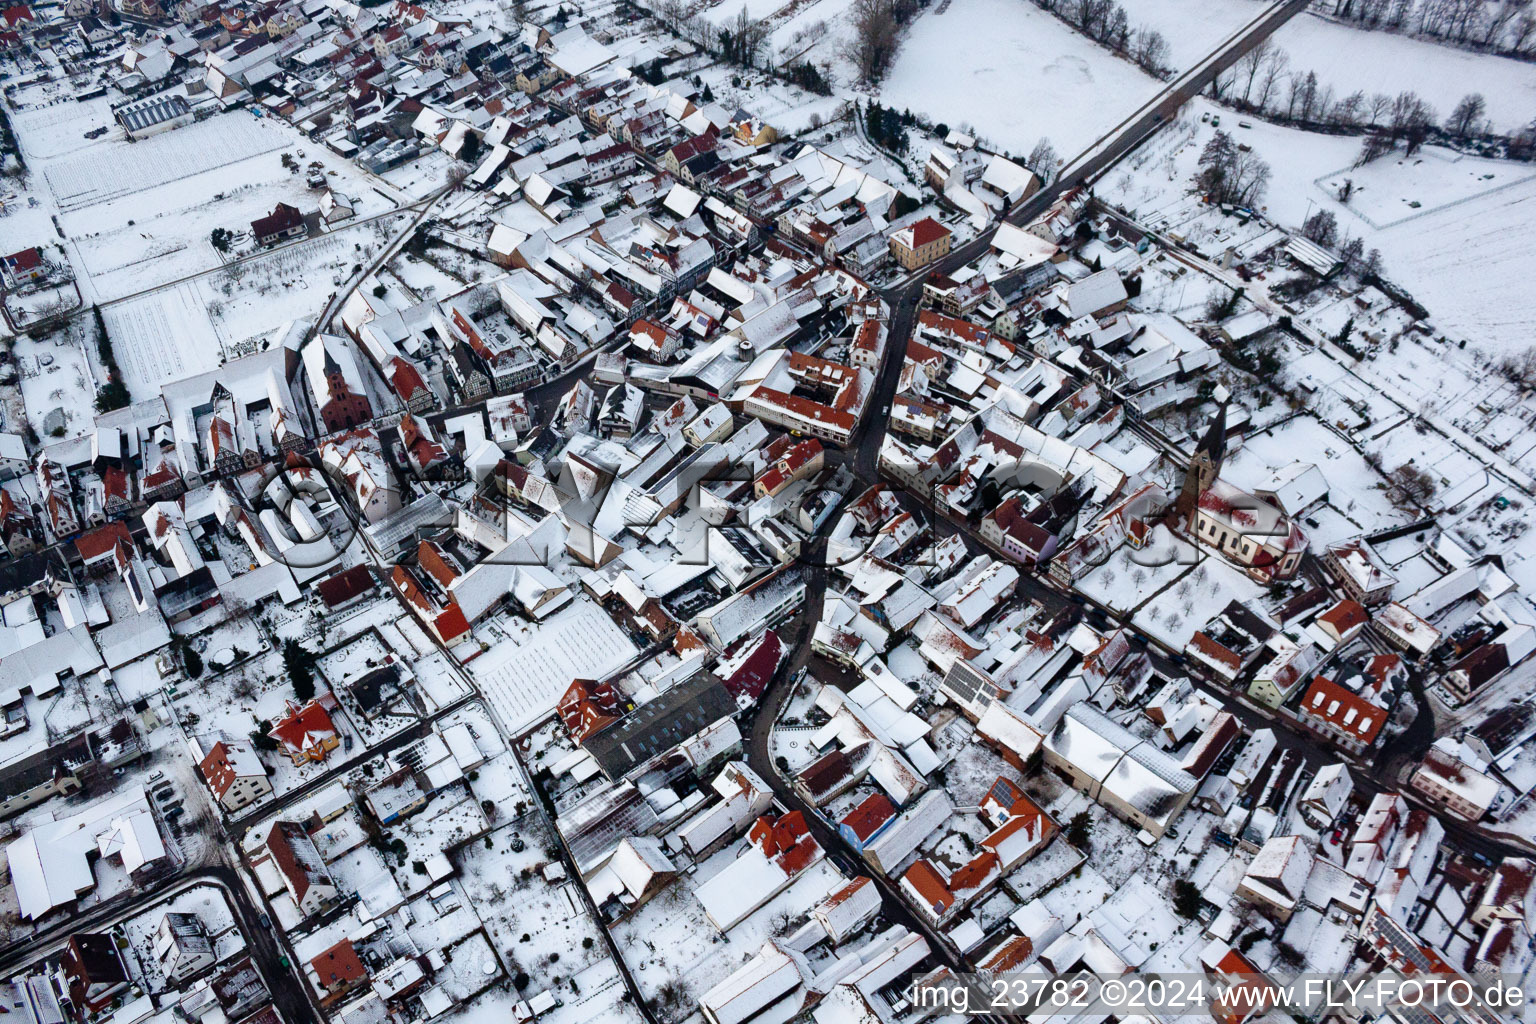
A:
(1249, 65)
(1044, 161)
(1275, 64)
(1411, 120)
(1149, 49)
(1520, 368)
(1377, 109)
(874, 38)
(1463, 121)
(1348, 110)
(1322, 227)
(1522, 31)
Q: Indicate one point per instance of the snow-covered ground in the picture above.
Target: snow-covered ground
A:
(1348, 58)
(1463, 253)
(1171, 588)
(1193, 28)
(1014, 74)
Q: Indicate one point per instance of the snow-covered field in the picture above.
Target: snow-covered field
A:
(78, 181)
(161, 337)
(1014, 74)
(1193, 28)
(1348, 59)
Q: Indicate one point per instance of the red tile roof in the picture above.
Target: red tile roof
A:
(1344, 710)
(339, 965)
(930, 887)
(865, 819)
(99, 543)
(344, 586)
(302, 725)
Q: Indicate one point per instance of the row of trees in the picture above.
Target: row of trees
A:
(114, 393)
(1502, 26)
(1263, 82)
(1106, 22)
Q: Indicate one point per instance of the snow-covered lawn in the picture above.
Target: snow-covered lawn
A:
(1013, 73)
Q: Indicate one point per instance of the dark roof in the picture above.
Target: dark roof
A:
(659, 725)
(27, 571)
(825, 773)
(368, 688)
(344, 586)
(282, 218)
(1214, 443)
(153, 111)
(92, 958)
(35, 769)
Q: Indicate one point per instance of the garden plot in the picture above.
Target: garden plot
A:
(1354, 488)
(541, 928)
(56, 382)
(676, 955)
(1014, 74)
(788, 109)
(248, 301)
(79, 181)
(160, 234)
(162, 337)
(525, 674)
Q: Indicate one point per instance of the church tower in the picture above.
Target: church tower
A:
(1205, 464)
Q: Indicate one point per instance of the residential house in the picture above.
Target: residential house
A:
(921, 243)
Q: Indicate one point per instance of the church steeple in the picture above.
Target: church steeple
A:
(1205, 464)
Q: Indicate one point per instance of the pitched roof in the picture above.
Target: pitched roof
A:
(1346, 711)
(303, 727)
(346, 585)
(339, 965)
(875, 810)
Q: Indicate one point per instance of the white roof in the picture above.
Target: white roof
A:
(746, 884)
(49, 864)
(764, 979)
(682, 200)
(1095, 292)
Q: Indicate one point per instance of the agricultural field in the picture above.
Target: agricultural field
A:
(1013, 74)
